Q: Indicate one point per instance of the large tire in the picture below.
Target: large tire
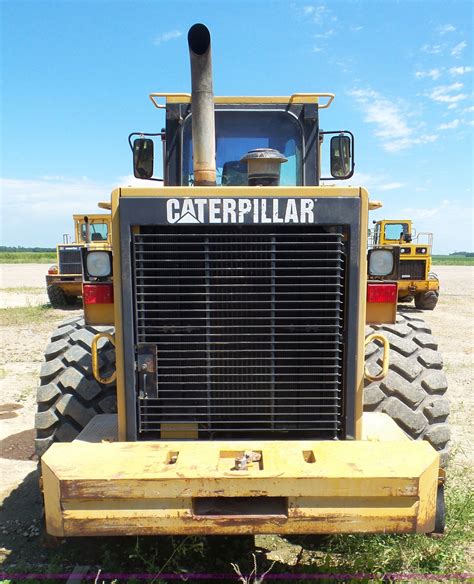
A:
(427, 300)
(68, 395)
(57, 297)
(413, 393)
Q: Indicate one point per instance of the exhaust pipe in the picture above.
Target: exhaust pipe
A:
(202, 106)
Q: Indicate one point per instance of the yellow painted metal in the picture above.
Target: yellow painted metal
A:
(93, 218)
(373, 205)
(247, 99)
(247, 192)
(381, 312)
(104, 205)
(95, 358)
(385, 359)
(320, 487)
(99, 314)
(179, 431)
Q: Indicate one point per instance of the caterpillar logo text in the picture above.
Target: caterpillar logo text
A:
(240, 210)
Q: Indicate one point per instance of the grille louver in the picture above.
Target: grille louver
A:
(248, 324)
(70, 261)
(412, 269)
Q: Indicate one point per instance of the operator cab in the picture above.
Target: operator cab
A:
(289, 125)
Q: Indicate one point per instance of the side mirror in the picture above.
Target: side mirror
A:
(143, 158)
(342, 165)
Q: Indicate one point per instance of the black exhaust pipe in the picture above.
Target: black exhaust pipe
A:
(202, 106)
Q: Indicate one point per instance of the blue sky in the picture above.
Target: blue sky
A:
(76, 77)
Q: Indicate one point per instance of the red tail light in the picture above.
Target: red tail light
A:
(381, 293)
(53, 270)
(98, 293)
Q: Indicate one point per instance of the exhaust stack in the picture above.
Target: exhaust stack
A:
(202, 106)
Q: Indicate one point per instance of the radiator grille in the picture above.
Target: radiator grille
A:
(247, 322)
(412, 269)
(70, 260)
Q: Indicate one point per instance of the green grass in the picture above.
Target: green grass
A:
(24, 290)
(27, 257)
(25, 315)
(446, 260)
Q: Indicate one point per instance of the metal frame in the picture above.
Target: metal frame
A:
(330, 211)
(306, 114)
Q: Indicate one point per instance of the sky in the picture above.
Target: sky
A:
(76, 76)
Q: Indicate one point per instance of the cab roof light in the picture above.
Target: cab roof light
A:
(98, 293)
(381, 293)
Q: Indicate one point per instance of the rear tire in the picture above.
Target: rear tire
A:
(427, 300)
(68, 395)
(413, 393)
(57, 297)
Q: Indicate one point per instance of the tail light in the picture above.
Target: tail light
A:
(98, 293)
(53, 270)
(381, 292)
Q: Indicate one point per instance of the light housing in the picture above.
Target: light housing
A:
(377, 293)
(381, 262)
(97, 264)
(405, 250)
(98, 293)
(421, 250)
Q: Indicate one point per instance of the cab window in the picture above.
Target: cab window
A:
(99, 231)
(394, 231)
(237, 132)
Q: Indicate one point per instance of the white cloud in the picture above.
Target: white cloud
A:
(40, 210)
(356, 28)
(167, 36)
(324, 35)
(460, 70)
(450, 125)
(458, 49)
(391, 124)
(392, 186)
(469, 109)
(375, 183)
(432, 74)
(130, 180)
(308, 9)
(432, 49)
(317, 49)
(319, 14)
(445, 28)
(444, 93)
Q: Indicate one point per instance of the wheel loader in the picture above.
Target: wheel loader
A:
(217, 383)
(64, 279)
(412, 268)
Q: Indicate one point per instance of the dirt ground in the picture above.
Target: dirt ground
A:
(21, 351)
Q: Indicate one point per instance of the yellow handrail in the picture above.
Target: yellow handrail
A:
(95, 358)
(385, 360)
(186, 97)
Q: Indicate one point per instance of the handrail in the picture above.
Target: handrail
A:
(187, 97)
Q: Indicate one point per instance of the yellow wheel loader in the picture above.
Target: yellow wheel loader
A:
(231, 342)
(64, 279)
(412, 268)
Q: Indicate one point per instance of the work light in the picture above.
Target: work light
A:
(381, 262)
(98, 264)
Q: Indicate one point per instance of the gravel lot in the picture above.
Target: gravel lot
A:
(21, 353)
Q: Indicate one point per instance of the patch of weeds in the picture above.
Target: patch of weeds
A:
(3, 373)
(24, 290)
(25, 315)
(379, 554)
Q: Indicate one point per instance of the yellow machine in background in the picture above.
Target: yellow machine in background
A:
(237, 310)
(64, 279)
(412, 268)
